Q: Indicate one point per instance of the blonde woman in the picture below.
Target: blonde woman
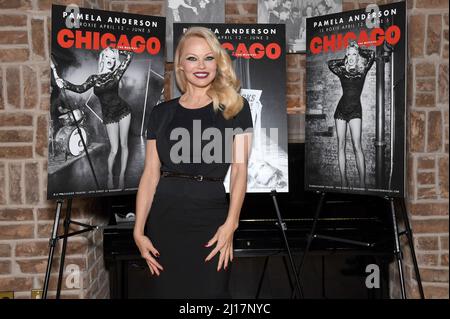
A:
(352, 71)
(116, 112)
(184, 224)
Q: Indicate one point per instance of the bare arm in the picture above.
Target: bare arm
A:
(238, 187)
(144, 199)
(147, 187)
(238, 177)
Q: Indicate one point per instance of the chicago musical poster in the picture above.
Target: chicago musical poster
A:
(355, 119)
(107, 72)
(259, 59)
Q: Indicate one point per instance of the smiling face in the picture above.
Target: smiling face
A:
(197, 62)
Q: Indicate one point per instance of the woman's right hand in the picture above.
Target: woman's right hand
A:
(147, 250)
(60, 83)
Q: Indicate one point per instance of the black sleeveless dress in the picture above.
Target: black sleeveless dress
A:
(185, 214)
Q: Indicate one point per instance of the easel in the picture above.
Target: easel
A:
(54, 240)
(67, 220)
(283, 228)
(397, 249)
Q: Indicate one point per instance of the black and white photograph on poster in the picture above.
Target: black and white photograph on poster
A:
(107, 72)
(293, 13)
(191, 11)
(258, 56)
(356, 88)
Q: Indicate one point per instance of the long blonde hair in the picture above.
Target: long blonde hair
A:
(360, 61)
(101, 59)
(224, 88)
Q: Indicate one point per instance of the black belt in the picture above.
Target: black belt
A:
(198, 178)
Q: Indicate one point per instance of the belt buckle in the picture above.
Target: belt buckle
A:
(199, 178)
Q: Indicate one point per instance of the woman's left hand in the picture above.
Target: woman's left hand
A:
(224, 240)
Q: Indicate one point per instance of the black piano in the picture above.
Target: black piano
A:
(353, 232)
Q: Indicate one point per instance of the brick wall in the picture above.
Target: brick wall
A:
(25, 214)
(428, 144)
